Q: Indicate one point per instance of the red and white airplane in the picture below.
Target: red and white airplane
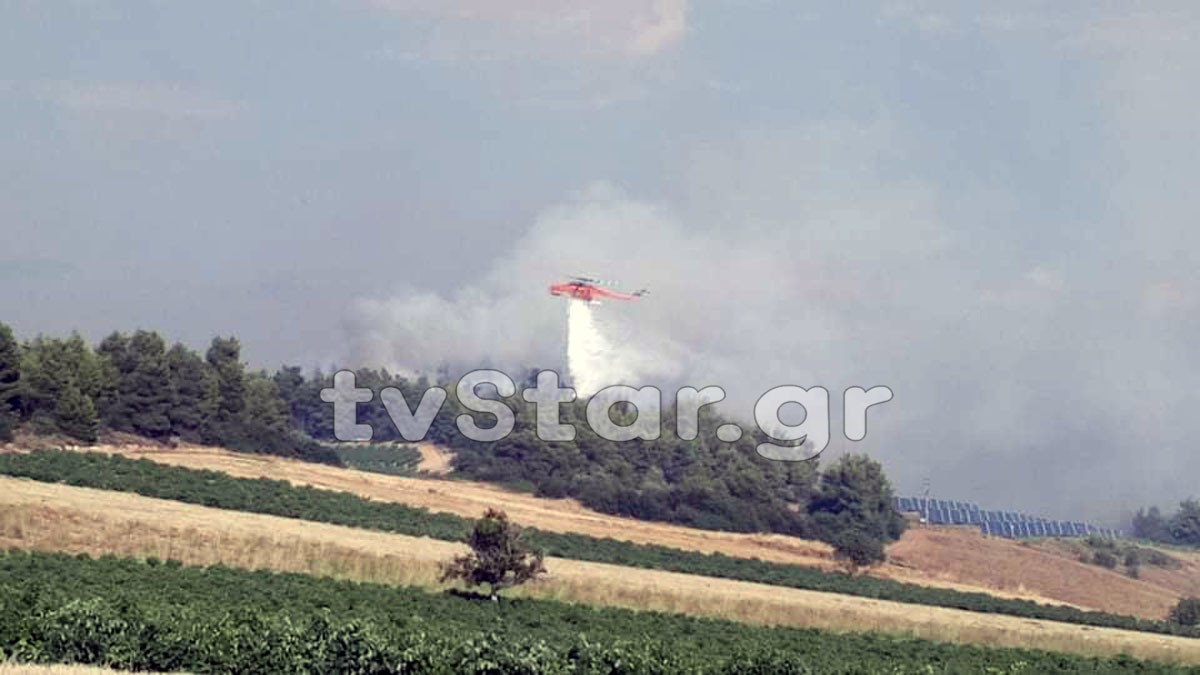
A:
(591, 290)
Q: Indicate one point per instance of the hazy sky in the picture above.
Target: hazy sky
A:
(993, 211)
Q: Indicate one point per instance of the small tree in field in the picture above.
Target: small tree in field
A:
(498, 558)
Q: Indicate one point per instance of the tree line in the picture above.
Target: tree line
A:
(135, 383)
(1181, 528)
(700, 482)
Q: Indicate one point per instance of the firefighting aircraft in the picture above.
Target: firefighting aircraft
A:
(591, 290)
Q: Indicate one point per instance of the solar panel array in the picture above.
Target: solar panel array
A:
(1009, 524)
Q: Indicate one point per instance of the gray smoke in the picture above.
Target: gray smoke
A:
(1041, 360)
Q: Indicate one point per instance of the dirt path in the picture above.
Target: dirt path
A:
(435, 460)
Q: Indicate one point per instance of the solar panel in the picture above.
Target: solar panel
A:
(997, 523)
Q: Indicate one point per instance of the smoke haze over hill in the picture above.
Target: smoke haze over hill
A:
(990, 211)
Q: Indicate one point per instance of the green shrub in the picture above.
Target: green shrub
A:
(1186, 612)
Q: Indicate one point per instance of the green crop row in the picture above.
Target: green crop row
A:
(156, 616)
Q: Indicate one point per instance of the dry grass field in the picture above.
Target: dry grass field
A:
(435, 460)
(1043, 568)
(41, 516)
(946, 557)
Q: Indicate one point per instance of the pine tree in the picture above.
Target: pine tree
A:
(197, 394)
(117, 363)
(39, 384)
(84, 365)
(1151, 525)
(146, 390)
(75, 414)
(10, 382)
(266, 423)
(264, 407)
(224, 356)
(853, 512)
(1185, 524)
(48, 367)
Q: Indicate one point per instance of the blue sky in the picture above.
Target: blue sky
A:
(987, 207)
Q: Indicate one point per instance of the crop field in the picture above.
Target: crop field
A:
(280, 498)
(155, 616)
(391, 459)
(949, 559)
(59, 518)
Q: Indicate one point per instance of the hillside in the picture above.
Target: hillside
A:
(946, 557)
(46, 517)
